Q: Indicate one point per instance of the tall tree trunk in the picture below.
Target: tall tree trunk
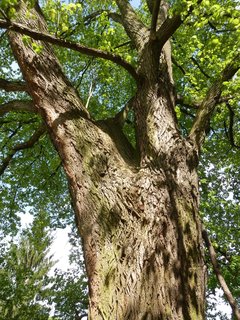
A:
(138, 221)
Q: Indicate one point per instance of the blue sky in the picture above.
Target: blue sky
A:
(135, 3)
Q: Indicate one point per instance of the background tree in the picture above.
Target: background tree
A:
(24, 267)
(69, 290)
(131, 171)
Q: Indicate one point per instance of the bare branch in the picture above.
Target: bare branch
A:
(21, 146)
(134, 27)
(42, 36)
(197, 133)
(12, 85)
(221, 280)
(17, 106)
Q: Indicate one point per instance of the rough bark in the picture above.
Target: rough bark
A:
(138, 219)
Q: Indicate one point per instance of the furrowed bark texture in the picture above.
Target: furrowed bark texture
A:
(138, 220)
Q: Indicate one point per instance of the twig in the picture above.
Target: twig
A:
(231, 124)
(200, 68)
(221, 280)
(21, 146)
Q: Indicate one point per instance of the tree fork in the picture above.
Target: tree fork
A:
(139, 224)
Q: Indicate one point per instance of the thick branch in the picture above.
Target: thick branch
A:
(12, 85)
(197, 133)
(219, 276)
(170, 26)
(17, 106)
(21, 146)
(155, 13)
(134, 27)
(69, 44)
(150, 5)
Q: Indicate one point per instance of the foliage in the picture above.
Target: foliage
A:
(24, 265)
(27, 291)
(69, 290)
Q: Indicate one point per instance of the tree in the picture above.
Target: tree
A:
(131, 171)
(69, 290)
(24, 266)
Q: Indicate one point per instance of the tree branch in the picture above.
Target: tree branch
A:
(123, 44)
(231, 124)
(17, 106)
(167, 29)
(134, 27)
(180, 100)
(12, 85)
(42, 36)
(197, 133)
(92, 16)
(178, 65)
(194, 60)
(155, 12)
(170, 26)
(150, 5)
(121, 116)
(115, 17)
(221, 280)
(21, 146)
(200, 68)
